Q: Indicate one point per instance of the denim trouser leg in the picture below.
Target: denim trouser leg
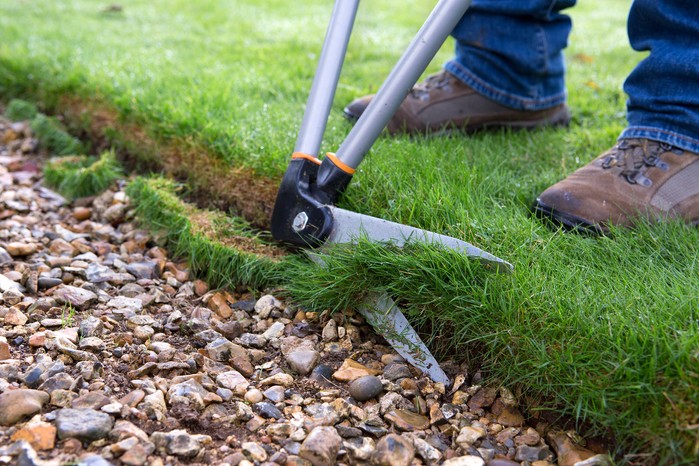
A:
(511, 51)
(664, 88)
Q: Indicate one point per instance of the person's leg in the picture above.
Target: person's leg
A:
(508, 71)
(663, 90)
(653, 171)
(511, 51)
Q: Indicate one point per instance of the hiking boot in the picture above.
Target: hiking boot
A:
(637, 179)
(443, 103)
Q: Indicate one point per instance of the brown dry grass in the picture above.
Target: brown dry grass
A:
(204, 223)
(213, 183)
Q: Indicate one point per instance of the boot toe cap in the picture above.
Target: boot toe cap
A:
(355, 109)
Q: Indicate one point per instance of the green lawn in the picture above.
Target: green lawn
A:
(605, 328)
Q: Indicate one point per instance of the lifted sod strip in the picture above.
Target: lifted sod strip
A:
(159, 209)
(80, 176)
(53, 137)
(20, 110)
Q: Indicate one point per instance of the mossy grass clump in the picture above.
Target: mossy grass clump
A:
(81, 176)
(20, 110)
(54, 138)
(198, 236)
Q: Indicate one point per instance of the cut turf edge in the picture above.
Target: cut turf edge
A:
(81, 176)
(159, 210)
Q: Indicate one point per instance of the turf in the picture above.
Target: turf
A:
(206, 239)
(80, 176)
(603, 328)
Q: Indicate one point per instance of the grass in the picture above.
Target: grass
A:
(81, 176)
(53, 137)
(20, 110)
(67, 316)
(223, 252)
(605, 329)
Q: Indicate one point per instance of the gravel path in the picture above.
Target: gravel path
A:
(111, 353)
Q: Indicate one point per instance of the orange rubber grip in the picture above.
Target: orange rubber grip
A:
(340, 164)
(301, 155)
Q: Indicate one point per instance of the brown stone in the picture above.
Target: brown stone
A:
(69, 333)
(133, 398)
(78, 297)
(82, 213)
(567, 451)
(4, 351)
(61, 247)
(15, 317)
(483, 398)
(407, 420)
(507, 415)
(17, 248)
(436, 416)
(37, 340)
(15, 404)
(393, 450)
(41, 435)
(200, 287)
(81, 245)
(350, 370)
(218, 304)
(321, 446)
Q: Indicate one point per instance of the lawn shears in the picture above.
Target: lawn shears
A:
(305, 214)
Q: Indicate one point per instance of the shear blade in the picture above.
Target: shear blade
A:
(382, 313)
(349, 226)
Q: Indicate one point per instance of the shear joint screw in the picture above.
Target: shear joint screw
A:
(300, 222)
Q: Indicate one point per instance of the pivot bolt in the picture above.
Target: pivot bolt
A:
(300, 222)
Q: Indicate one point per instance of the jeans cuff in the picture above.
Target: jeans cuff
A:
(663, 135)
(501, 96)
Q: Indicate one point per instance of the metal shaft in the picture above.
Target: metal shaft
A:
(327, 75)
(400, 81)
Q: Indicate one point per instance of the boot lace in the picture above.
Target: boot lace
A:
(636, 156)
(434, 82)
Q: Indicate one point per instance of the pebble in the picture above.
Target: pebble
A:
(469, 435)
(365, 388)
(17, 248)
(267, 410)
(265, 305)
(11, 297)
(393, 450)
(300, 354)
(180, 443)
(83, 424)
(15, 316)
(40, 435)
(350, 370)
(275, 394)
(232, 380)
(253, 396)
(78, 297)
(321, 446)
(467, 460)
(407, 420)
(16, 404)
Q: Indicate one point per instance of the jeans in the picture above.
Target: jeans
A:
(511, 51)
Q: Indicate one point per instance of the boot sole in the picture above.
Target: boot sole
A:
(567, 221)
